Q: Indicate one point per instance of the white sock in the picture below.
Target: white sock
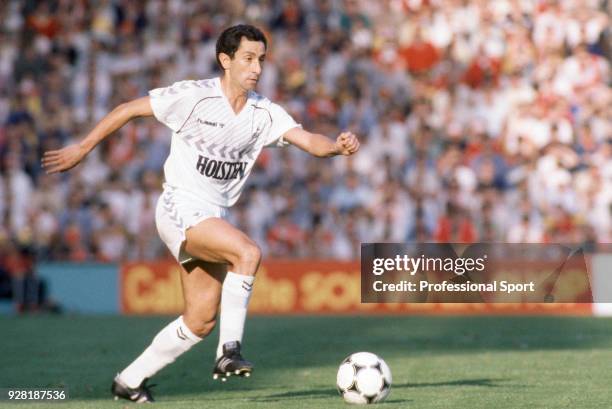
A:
(171, 342)
(235, 297)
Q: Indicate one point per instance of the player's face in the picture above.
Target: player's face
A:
(245, 68)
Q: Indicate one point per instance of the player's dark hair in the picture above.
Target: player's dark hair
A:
(229, 40)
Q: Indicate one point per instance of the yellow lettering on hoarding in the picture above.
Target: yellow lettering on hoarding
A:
(147, 293)
(337, 291)
(270, 295)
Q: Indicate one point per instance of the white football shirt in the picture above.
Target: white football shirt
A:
(213, 149)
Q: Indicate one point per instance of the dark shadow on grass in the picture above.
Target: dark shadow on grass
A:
(310, 394)
(307, 393)
(486, 382)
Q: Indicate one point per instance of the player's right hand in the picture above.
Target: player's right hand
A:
(63, 159)
(347, 144)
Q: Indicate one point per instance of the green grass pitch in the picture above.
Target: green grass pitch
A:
(437, 362)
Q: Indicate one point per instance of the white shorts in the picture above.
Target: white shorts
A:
(177, 211)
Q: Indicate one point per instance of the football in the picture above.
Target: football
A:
(363, 378)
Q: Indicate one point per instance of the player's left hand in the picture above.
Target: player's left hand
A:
(63, 159)
(347, 143)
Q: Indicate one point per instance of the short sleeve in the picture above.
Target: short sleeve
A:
(172, 105)
(281, 123)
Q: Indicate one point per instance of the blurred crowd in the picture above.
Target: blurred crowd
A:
(479, 120)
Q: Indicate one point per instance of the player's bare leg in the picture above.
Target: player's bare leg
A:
(218, 241)
(201, 283)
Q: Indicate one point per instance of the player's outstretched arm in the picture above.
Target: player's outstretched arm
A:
(320, 145)
(66, 158)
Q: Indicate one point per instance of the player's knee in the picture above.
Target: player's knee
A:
(202, 327)
(201, 321)
(206, 327)
(250, 254)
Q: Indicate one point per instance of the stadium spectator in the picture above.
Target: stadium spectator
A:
(508, 100)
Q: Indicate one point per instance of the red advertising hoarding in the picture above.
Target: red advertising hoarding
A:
(301, 287)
